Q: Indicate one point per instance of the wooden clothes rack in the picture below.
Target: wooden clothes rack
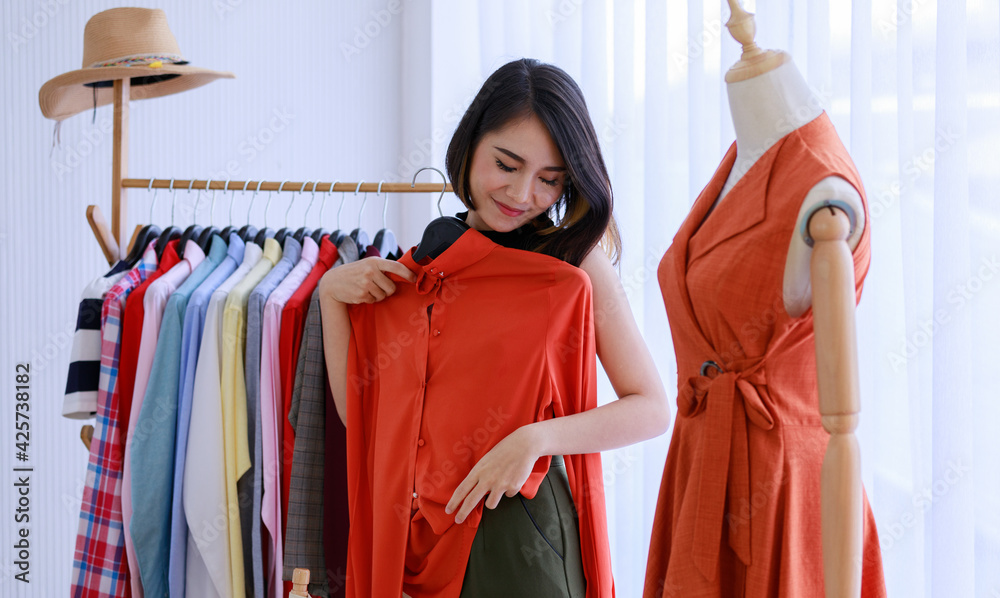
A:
(110, 239)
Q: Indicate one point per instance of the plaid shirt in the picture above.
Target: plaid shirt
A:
(99, 566)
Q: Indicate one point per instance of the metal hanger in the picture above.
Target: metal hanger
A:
(249, 232)
(360, 237)
(232, 202)
(205, 239)
(443, 231)
(266, 232)
(193, 230)
(385, 239)
(146, 233)
(302, 232)
(171, 231)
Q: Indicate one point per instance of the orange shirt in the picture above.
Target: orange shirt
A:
(489, 339)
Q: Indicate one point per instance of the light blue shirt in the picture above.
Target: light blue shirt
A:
(252, 482)
(194, 324)
(152, 454)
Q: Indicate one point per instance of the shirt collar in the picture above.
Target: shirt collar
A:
(471, 247)
(272, 250)
(217, 250)
(236, 247)
(252, 253)
(193, 254)
(292, 249)
(327, 252)
(309, 250)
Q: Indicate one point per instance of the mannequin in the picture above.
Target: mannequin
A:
(769, 98)
(765, 107)
(746, 415)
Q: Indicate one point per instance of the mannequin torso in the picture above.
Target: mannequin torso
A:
(765, 108)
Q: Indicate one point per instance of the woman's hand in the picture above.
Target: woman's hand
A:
(363, 281)
(501, 471)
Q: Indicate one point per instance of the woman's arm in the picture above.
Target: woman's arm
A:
(363, 281)
(641, 411)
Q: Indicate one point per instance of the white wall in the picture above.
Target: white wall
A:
(292, 60)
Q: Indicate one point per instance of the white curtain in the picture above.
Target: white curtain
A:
(913, 88)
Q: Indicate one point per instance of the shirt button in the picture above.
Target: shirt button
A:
(414, 495)
(441, 274)
(420, 442)
(437, 332)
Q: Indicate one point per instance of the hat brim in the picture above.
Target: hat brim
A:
(73, 92)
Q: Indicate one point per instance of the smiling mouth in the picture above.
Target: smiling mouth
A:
(508, 210)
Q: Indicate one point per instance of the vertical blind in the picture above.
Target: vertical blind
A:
(913, 88)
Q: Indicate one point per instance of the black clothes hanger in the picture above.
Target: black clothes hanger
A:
(283, 231)
(439, 235)
(263, 235)
(205, 238)
(190, 233)
(360, 236)
(266, 233)
(318, 234)
(385, 239)
(146, 234)
(171, 232)
(249, 232)
(303, 232)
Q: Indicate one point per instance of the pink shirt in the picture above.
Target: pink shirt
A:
(153, 305)
(271, 410)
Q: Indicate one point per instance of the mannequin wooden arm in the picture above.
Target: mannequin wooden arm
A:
(832, 275)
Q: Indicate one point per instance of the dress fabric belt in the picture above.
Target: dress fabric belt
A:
(727, 399)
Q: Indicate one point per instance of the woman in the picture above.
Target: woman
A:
(525, 160)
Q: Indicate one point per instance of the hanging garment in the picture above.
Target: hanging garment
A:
(234, 400)
(154, 444)
(82, 380)
(132, 336)
(134, 324)
(739, 505)
(304, 528)
(194, 323)
(270, 413)
(99, 566)
(419, 416)
(250, 487)
(206, 500)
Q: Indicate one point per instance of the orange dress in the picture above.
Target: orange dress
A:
(738, 512)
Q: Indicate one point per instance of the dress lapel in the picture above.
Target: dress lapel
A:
(676, 259)
(744, 212)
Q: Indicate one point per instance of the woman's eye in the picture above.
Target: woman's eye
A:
(551, 183)
(504, 167)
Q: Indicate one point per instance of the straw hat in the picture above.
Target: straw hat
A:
(119, 43)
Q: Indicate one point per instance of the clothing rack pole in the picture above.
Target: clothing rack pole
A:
(296, 186)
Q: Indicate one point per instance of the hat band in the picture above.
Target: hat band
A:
(150, 60)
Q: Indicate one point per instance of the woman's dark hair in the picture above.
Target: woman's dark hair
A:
(582, 215)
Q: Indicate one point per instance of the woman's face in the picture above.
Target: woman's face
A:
(517, 173)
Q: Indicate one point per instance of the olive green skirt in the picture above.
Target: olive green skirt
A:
(527, 547)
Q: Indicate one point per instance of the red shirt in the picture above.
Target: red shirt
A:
(489, 339)
(293, 319)
(132, 334)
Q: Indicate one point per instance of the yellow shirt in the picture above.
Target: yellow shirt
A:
(234, 398)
